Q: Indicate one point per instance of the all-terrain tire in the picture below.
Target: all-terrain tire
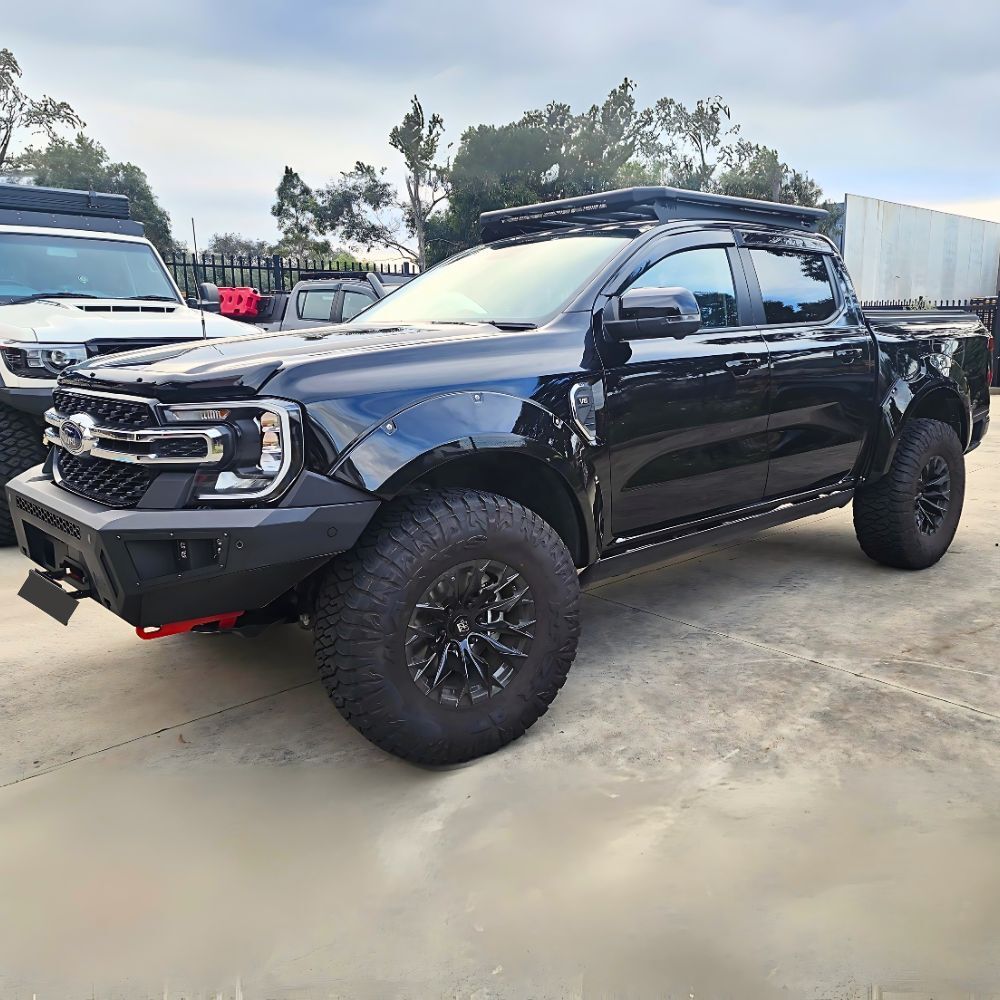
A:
(20, 448)
(364, 611)
(885, 511)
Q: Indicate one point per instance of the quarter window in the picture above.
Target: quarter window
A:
(795, 286)
(706, 273)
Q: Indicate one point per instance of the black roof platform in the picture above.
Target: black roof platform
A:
(643, 204)
(61, 208)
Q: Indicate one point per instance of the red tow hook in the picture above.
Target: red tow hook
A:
(225, 621)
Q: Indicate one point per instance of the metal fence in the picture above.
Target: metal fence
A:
(985, 307)
(266, 274)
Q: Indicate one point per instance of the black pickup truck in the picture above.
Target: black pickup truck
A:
(606, 381)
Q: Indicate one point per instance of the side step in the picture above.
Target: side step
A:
(650, 556)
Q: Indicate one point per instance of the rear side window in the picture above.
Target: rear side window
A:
(795, 286)
(316, 305)
(354, 302)
(704, 271)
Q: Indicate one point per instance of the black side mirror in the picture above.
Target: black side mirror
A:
(208, 296)
(646, 313)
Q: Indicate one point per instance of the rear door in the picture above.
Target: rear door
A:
(688, 417)
(822, 388)
(353, 300)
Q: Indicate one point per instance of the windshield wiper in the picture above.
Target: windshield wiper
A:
(51, 295)
(500, 324)
(150, 298)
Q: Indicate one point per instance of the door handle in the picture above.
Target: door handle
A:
(742, 366)
(848, 355)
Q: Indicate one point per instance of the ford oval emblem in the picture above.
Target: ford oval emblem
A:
(76, 434)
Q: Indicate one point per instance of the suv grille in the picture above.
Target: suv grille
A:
(50, 517)
(113, 484)
(108, 411)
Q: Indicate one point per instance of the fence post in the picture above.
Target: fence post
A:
(277, 274)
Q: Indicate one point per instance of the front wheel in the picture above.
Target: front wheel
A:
(908, 518)
(450, 628)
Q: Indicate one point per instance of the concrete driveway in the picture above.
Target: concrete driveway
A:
(773, 771)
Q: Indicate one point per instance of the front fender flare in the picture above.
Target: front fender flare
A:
(412, 442)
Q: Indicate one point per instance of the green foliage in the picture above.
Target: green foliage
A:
(295, 208)
(84, 164)
(20, 113)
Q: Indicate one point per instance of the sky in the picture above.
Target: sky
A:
(896, 99)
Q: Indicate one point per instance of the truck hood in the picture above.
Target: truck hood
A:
(244, 364)
(65, 321)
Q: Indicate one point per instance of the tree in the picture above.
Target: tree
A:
(295, 209)
(21, 113)
(694, 140)
(417, 138)
(362, 207)
(84, 164)
(236, 245)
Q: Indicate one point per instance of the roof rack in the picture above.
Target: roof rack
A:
(61, 208)
(639, 205)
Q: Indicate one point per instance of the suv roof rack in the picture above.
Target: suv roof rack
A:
(386, 277)
(643, 204)
(62, 208)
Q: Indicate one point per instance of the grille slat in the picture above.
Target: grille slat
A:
(108, 411)
(50, 517)
(114, 484)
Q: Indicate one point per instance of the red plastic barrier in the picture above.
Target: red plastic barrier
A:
(241, 301)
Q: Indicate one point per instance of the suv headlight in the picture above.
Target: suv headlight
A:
(40, 360)
(268, 447)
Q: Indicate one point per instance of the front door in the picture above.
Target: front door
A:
(688, 417)
(822, 395)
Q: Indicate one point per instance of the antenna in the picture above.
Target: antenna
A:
(201, 304)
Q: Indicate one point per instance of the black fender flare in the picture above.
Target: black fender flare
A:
(902, 401)
(404, 447)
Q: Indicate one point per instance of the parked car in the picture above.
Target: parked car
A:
(608, 381)
(336, 297)
(77, 280)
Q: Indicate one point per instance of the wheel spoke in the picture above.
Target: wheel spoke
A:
(497, 645)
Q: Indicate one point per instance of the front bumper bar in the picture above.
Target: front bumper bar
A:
(152, 567)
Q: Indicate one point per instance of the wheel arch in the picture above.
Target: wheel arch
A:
(510, 446)
(946, 400)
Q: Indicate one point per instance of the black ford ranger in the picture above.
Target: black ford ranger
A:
(607, 380)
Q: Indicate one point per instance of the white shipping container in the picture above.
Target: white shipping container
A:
(903, 252)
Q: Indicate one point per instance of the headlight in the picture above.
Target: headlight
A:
(41, 360)
(268, 450)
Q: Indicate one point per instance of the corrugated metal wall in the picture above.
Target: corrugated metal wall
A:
(903, 252)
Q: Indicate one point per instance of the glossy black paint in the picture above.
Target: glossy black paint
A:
(693, 430)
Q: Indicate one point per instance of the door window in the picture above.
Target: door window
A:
(795, 286)
(316, 304)
(706, 273)
(354, 302)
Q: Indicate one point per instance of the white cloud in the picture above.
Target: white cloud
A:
(896, 99)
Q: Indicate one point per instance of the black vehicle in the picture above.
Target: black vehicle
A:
(606, 381)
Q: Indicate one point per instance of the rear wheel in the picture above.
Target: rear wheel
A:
(450, 628)
(908, 518)
(20, 448)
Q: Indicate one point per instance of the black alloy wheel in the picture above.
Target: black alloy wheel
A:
(469, 632)
(933, 495)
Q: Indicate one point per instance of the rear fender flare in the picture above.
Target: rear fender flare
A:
(406, 446)
(903, 400)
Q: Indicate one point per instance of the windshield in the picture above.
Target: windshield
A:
(31, 263)
(517, 283)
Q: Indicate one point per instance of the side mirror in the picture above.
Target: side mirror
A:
(208, 296)
(647, 313)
